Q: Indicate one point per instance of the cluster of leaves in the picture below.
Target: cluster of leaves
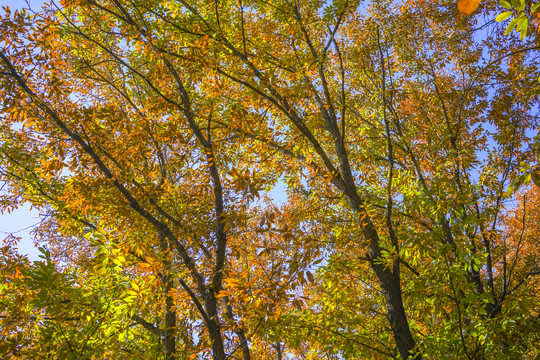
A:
(520, 20)
(48, 312)
(152, 132)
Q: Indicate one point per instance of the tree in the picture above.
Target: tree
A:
(150, 131)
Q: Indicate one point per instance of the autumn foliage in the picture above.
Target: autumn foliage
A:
(150, 134)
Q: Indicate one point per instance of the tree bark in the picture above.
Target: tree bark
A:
(390, 282)
(214, 327)
(169, 337)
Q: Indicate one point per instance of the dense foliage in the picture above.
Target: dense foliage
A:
(151, 133)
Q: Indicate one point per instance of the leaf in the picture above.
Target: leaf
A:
(310, 277)
(524, 27)
(511, 26)
(525, 166)
(505, 4)
(503, 16)
(535, 176)
(117, 262)
(468, 6)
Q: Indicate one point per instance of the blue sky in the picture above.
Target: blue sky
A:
(19, 4)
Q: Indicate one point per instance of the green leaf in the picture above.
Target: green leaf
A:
(524, 27)
(505, 15)
(536, 178)
(510, 27)
(525, 166)
(534, 7)
(525, 179)
(520, 20)
(505, 4)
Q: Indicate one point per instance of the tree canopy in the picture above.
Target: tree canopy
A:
(150, 134)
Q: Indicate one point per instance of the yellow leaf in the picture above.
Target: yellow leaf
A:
(468, 6)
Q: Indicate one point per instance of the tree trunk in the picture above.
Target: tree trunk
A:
(169, 337)
(213, 326)
(389, 279)
(391, 287)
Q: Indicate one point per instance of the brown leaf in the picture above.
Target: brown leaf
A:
(310, 277)
(535, 178)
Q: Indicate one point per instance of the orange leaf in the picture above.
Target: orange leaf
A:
(468, 6)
